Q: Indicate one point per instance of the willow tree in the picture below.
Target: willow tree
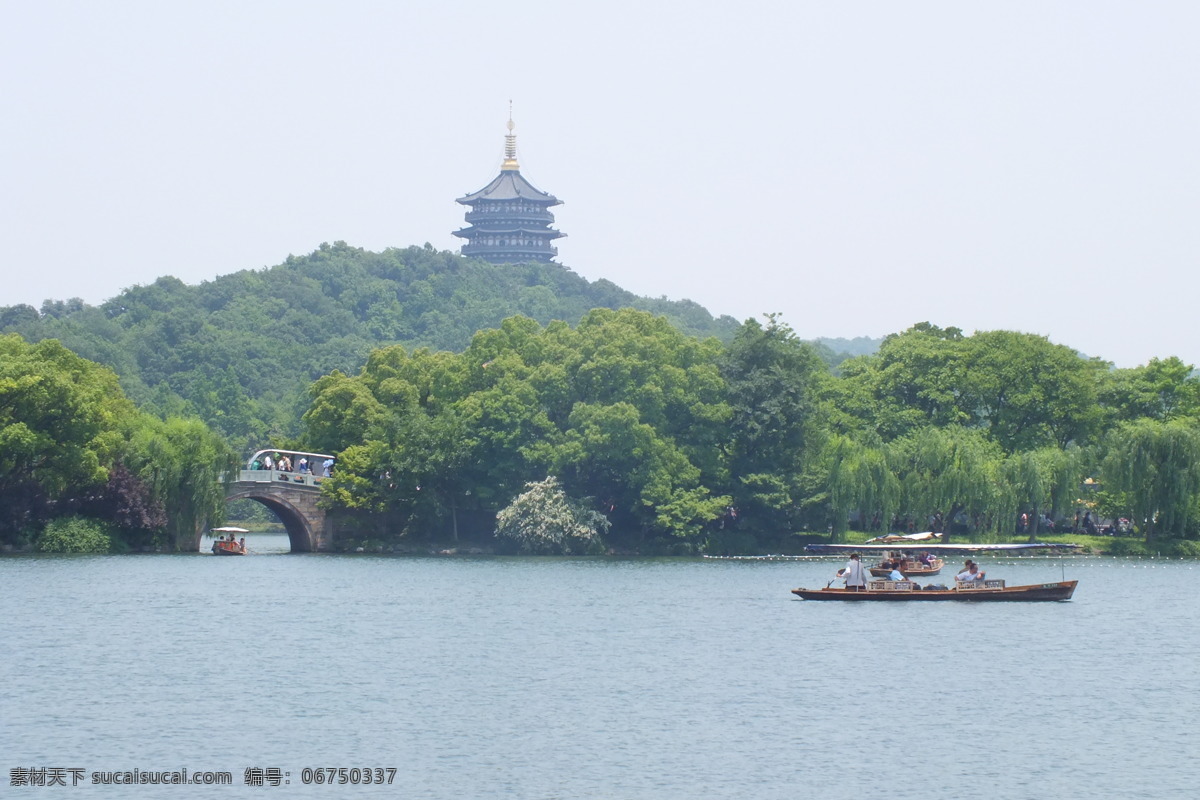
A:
(186, 465)
(1044, 479)
(857, 478)
(1156, 465)
(949, 471)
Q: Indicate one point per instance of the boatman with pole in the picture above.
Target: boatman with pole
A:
(855, 574)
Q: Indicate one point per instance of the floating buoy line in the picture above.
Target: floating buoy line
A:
(1079, 560)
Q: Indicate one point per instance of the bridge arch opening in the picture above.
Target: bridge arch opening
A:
(301, 537)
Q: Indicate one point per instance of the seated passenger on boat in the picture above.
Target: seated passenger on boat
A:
(971, 573)
(896, 574)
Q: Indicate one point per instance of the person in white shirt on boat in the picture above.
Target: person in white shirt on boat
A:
(971, 573)
(854, 573)
(896, 574)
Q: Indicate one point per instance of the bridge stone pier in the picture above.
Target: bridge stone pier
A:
(293, 498)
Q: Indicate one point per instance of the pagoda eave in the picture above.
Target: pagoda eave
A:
(539, 233)
(510, 185)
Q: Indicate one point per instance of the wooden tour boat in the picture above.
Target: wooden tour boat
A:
(230, 548)
(985, 591)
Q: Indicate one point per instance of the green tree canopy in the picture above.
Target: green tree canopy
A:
(774, 382)
(72, 443)
(1022, 390)
(1162, 389)
(1156, 467)
(624, 408)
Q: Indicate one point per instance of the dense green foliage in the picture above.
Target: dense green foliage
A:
(82, 469)
(623, 408)
(240, 351)
(448, 386)
(75, 534)
(738, 446)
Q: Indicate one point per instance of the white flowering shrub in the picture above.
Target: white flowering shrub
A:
(544, 520)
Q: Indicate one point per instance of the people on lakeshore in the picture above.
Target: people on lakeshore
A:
(854, 574)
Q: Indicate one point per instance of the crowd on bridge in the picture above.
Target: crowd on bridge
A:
(282, 462)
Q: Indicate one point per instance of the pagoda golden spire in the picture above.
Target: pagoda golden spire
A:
(510, 146)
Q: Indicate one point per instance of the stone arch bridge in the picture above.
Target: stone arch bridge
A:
(293, 498)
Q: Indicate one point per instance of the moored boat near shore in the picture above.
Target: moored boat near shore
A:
(987, 591)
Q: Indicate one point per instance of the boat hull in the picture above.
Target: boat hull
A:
(1038, 592)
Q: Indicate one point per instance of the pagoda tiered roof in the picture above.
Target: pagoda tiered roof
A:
(510, 185)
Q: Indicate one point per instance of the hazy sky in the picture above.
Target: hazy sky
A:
(856, 166)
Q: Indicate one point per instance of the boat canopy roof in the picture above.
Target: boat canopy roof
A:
(935, 548)
(927, 536)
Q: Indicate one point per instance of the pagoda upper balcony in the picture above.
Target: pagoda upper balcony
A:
(486, 214)
(510, 254)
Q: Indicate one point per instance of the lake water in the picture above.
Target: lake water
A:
(593, 678)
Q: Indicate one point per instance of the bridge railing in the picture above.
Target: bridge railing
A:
(275, 476)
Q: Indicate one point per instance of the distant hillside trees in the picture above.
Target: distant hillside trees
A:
(240, 351)
(447, 384)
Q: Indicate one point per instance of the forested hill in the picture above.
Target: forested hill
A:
(240, 351)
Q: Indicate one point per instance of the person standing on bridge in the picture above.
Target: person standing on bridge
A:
(327, 468)
(303, 465)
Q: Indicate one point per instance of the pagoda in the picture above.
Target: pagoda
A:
(509, 218)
